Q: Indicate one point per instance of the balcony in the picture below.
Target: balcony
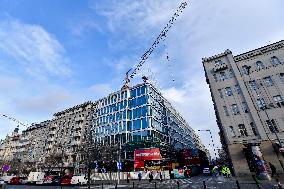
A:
(50, 139)
(77, 134)
(78, 119)
(75, 142)
(52, 132)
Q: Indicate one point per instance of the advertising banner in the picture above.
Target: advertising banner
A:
(147, 154)
(191, 157)
(260, 163)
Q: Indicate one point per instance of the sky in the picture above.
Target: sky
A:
(57, 54)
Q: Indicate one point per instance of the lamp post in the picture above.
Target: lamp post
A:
(211, 136)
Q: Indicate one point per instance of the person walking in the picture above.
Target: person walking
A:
(273, 169)
(215, 171)
(139, 176)
(161, 176)
(150, 176)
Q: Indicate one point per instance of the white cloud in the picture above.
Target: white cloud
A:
(36, 50)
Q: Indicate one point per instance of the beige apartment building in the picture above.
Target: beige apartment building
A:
(68, 131)
(9, 146)
(247, 91)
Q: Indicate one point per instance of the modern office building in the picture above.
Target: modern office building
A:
(139, 113)
(247, 91)
(132, 114)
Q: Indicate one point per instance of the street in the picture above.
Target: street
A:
(192, 183)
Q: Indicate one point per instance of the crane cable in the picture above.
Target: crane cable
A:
(15, 120)
(160, 38)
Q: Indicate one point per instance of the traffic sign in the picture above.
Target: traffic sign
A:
(119, 165)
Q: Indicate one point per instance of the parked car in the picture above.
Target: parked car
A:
(7, 178)
(2, 181)
(36, 177)
(18, 180)
(24, 180)
(66, 180)
(79, 180)
(52, 180)
(206, 171)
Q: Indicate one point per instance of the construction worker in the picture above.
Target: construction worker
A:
(228, 172)
(223, 170)
(215, 170)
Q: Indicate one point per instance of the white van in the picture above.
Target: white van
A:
(79, 180)
(36, 177)
(7, 178)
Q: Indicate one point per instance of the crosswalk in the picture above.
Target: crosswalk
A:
(187, 181)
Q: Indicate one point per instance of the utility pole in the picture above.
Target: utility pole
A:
(119, 162)
(211, 136)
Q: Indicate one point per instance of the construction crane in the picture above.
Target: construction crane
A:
(146, 55)
(15, 120)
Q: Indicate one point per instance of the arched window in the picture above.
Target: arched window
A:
(275, 60)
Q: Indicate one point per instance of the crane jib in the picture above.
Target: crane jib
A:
(161, 36)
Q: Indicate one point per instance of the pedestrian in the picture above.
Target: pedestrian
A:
(273, 169)
(139, 176)
(223, 170)
(215, 170)
(150, 176)
(279, 184)
(128, 175)
(161, 176)
(228, 172)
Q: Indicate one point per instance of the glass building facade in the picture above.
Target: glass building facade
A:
(141, 113)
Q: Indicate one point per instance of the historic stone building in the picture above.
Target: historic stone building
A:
(247, 91)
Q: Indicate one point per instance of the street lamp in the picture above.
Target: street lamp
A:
(208, 130)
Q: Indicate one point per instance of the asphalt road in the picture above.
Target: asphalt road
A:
(191, 183)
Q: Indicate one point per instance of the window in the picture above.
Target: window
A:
(232, 131)
(226, 111)
(261, 103)
(220, 93)
(218, 62)
(268, 81)
(238, 89)
(272, 126)
(259, 65)
(253, 85)
(243, 130)
(281, 75)
(215, 77)
(235, 109)
(231, 73)
(245, 69)
(223, 76)
(245, 107)
(278, 100)
(229, 91)
(275, 61)
(253, 128)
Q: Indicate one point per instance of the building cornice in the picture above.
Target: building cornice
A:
(216, 56)
(74, 108)
(259, 51)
